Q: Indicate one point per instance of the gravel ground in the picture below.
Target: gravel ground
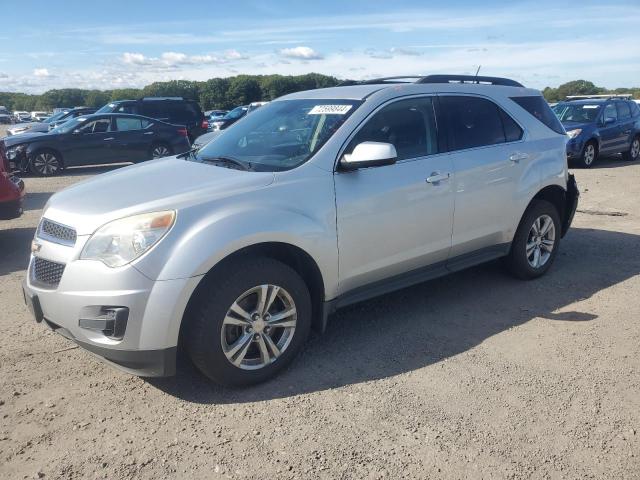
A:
(476, 375)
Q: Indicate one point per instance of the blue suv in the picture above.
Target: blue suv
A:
(600, 125)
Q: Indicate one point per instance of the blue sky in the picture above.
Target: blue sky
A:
(93, 44)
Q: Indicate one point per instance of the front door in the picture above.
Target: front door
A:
(396, 218)
(91, 143)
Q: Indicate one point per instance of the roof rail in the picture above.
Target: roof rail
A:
(162, 98)
(603, 96)
(470, 79)
(445, 78)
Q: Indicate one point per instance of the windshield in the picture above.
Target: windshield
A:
(280, 135)
(235, 113)
(68, 126)
(577, 113)
(108, 108)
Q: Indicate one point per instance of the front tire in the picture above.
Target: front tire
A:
(249, 322)
(535, 244)
(160, 150)
(633, 153)
(589, 154)
(46, 163)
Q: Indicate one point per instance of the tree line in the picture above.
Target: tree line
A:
(215, 93)
(226, 93)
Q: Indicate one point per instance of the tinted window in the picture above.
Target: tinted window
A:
(539, 108)
(512, 130)
(154, 110)
(610, 112)
(472, 122)
(125, 108)
(635, 110)
(623, 110)
(129, 123)
(577, 112)
(181, 112)
(102, 125)
(407, 124)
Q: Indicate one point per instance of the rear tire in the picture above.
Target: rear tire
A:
(589, 154)
(229, 344)
(535, 244)
(633, 153)
(160, 150)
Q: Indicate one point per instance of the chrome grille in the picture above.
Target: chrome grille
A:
(47, 272)
(57, 233)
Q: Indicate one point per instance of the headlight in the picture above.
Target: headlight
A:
(574, 133)
(122, 241)
(13, 152)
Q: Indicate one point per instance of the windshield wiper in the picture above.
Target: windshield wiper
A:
(229, 161)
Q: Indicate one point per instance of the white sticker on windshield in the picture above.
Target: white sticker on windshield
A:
(330, 109)
(590, 106)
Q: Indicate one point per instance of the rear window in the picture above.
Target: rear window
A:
(539, 108)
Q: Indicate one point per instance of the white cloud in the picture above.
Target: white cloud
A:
(304, 53)
(41, 72)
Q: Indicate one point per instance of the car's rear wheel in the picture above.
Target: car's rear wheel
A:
(249, 322)
(159, 150)
(46, 163)
(589, 154)
(535, 244)
(633, 153)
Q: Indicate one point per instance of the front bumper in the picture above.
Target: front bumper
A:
(574, 148)
(86, 288)
(11, 204)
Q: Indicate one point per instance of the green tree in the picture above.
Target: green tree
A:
(243, 89)
(213, 94)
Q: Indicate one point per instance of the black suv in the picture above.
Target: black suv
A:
(174, 110)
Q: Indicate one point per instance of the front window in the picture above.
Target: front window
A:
(280, 135)
(577, 113)
(101, 125)
(236, 113)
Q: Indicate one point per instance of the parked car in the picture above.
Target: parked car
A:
(5, 116)
(599, 125)
(213, 115)
(39, 116)
(204, 139)
(318, 200)
(94, 140)
(52, 122)
(174, 110)
(253, 106)
(230, 118)
(11, 190)
(21, 117)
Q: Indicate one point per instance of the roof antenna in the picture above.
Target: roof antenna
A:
(477, 71)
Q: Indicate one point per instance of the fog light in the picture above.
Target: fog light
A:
(112, 322)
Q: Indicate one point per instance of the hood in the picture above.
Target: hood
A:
(573, 125)
(166, 184)
(25, 137)
(33, 126)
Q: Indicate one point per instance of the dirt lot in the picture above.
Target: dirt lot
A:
(472, 376)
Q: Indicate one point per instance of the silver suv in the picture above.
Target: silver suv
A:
(317, 200)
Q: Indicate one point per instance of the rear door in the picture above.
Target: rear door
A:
(396, 218)
(133, 139)
(626, 125)
(489, 157)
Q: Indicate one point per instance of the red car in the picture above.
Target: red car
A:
(11, 190)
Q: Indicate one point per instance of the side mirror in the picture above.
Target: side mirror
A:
(369, 154)
(609, 120)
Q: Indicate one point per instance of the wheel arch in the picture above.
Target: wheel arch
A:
(32, 151)
(558, 197)
(291, 255)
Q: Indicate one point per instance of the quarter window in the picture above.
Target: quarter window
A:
(409, 125)
(512, 130)
(623, 110)
(537, 107)
(472, 122)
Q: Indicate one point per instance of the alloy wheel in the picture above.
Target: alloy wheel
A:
(589, 154)
(160, 151)
(46, 164)
(258, 327)
(541, 241)
(635, 148)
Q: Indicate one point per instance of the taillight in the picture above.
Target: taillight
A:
(204, 124)
(182, 132)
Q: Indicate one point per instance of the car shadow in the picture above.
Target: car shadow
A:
(15, 249)
(425, 324)
(607, 161)
(36, 200)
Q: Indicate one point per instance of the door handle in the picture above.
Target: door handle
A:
(148, 133)
(437, 177)
(109, 138)
(516, 157)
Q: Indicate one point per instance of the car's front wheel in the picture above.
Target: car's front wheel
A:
(249, 322)
(535, 244)
(633, 153)
(46, 163)
(589, 154)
